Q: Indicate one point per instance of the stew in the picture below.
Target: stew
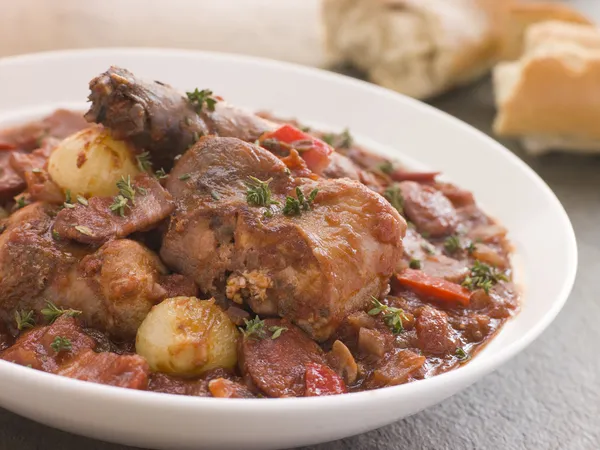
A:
(179, 244)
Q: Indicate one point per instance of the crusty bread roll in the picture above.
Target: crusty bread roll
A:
(417, 47)
(551, 96)
(522, 15)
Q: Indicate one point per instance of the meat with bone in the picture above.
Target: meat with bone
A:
(114, 286)
(158, 118)
(95, 223)
(313, 268)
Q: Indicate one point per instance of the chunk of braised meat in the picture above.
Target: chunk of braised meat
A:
(434, 333)
(128, 371)
(160, 382)
(160, 119)
(313, 267)
(226, 388)
(373, 342)
(41, 188)
(399, 367)
(474, 327)
(176, 285)
(49, 347)
(95, 223)
(277, 366)
(27, 147)
(458, 196)
(10, 181)
(60, 124)
(115, 286)
(6, 339)
(428, 209)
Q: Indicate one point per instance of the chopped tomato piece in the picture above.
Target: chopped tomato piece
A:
(321, 380)
(434, 287)
(314, 151)
(420, 177)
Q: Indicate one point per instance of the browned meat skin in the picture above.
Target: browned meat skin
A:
(114, 286)
(128, 371)
(398, 368)
(277, 366)
(434, 333)
(34, 348)
(428, 209)
(160, 119)
(312, 269)
(152, 205)
(10, 181)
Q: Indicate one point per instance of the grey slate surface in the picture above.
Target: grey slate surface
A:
(548, 397)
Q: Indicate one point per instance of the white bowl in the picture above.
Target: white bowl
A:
(398, 126)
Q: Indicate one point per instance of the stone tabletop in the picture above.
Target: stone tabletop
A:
(548, 397)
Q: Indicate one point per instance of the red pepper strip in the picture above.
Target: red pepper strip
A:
(317, 152)
(321, 380)
(433, 287)
(420, 177)
(7, 146)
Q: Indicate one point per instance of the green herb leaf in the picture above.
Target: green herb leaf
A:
(24, 319)
(84, 230)
(482, 276)
(144, 162)
(201, 98)
(82, 200)
(215, 195)
(471, 248)
(160, 174)
(255, 328)
(393, 195)
(184, 177)
(52, 312)
(415, 264)
(386, 167)
(392, 317)
(126, 189)
(341, 140)
(60, 344)
(277, 331)
(461, 355)
(258, 192)
(119, 205)
(295, 206)
(55, 235)
(452, 244)
(68, 196)
(21, 202)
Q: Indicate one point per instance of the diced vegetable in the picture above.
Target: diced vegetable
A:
(321, 380)
(437, 288)
(314, 151)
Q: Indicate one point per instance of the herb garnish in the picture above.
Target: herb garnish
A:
(52, 312)
(483, 277)
(393, 195)
(160, 174)
(55, 235)
(36, 170)
(60, 344)
(24, 320)
(199, 98)
(82, 200)
(277, 331)
(471, 248)
(68, 201)
(144, 162)
(126, 194)
(428, 248)
(452, 244)
(21, 202)
(386, 167)
(184, 177)
(259, 192)
(84, 230)
(255, 328)
(415, 264)
(341, 140)
(461, 355)
(295, 206)
(392, 317)
(215, 195)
